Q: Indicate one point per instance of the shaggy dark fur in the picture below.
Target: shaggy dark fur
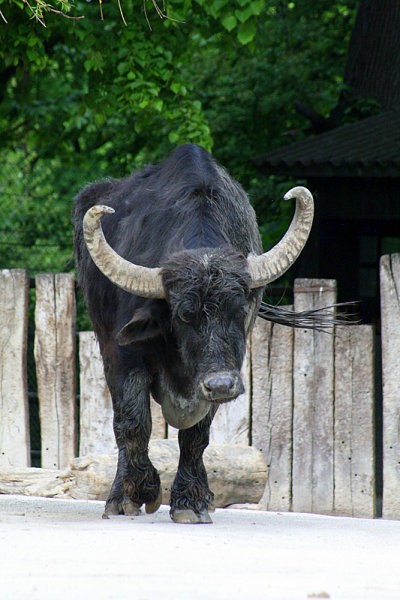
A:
(189, 217)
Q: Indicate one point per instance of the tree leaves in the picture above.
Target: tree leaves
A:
(229, 22)
(82, 100)
(247, 32)
(240, 17)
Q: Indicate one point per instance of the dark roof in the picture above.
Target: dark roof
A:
(367, 148)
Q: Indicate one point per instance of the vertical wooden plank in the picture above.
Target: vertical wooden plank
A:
(96, 434)
(14, 410)
(96, 411)
(354, 466)
(272, 408)
(172, 432)
(390, 312)
(158, 426)
(55, 367)
(231, 424)
(312, 487)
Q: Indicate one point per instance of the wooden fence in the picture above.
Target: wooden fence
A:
(309, 404)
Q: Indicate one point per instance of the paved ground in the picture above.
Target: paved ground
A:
(62, 549)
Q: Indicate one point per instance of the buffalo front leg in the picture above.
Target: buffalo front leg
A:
(191, 498)
(136, 481)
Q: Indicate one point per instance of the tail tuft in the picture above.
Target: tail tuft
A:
(319, 319)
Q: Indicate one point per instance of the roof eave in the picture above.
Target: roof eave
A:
(326, 169)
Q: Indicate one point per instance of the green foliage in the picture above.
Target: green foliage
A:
(249, 93)
(35, 225)
(90, 98)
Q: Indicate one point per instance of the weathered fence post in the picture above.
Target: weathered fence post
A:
(354, 421)
(272, 410)
(231, 424)
(96, 412)
(14, 417)
(158, 426)
(313, 426)
(390, 312)
(56, 368)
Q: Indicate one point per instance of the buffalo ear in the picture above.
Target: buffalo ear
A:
(141, 327)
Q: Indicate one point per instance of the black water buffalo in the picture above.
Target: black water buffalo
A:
(173, 287)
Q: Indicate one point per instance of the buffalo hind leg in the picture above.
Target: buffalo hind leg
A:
(136, 481)
(191, 498)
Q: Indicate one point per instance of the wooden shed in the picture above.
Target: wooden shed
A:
(354, 173)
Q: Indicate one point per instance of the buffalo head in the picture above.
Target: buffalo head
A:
(210, 295)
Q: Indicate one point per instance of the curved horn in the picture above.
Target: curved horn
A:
(141, 281)
(274, 263)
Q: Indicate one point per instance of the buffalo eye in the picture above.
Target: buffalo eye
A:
(185, 318)
(186, 314)
(236, 304)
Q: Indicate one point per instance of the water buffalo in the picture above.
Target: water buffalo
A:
(171, 267)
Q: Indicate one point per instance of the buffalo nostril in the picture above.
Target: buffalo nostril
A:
(219, 384)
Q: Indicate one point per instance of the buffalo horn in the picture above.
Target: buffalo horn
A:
(272, 264)
(141, 281)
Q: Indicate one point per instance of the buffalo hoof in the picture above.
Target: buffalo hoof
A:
(152, 507)
(190, 517)
(130, 509)
(126, 507)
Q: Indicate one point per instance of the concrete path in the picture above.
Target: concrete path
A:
(62, 549)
